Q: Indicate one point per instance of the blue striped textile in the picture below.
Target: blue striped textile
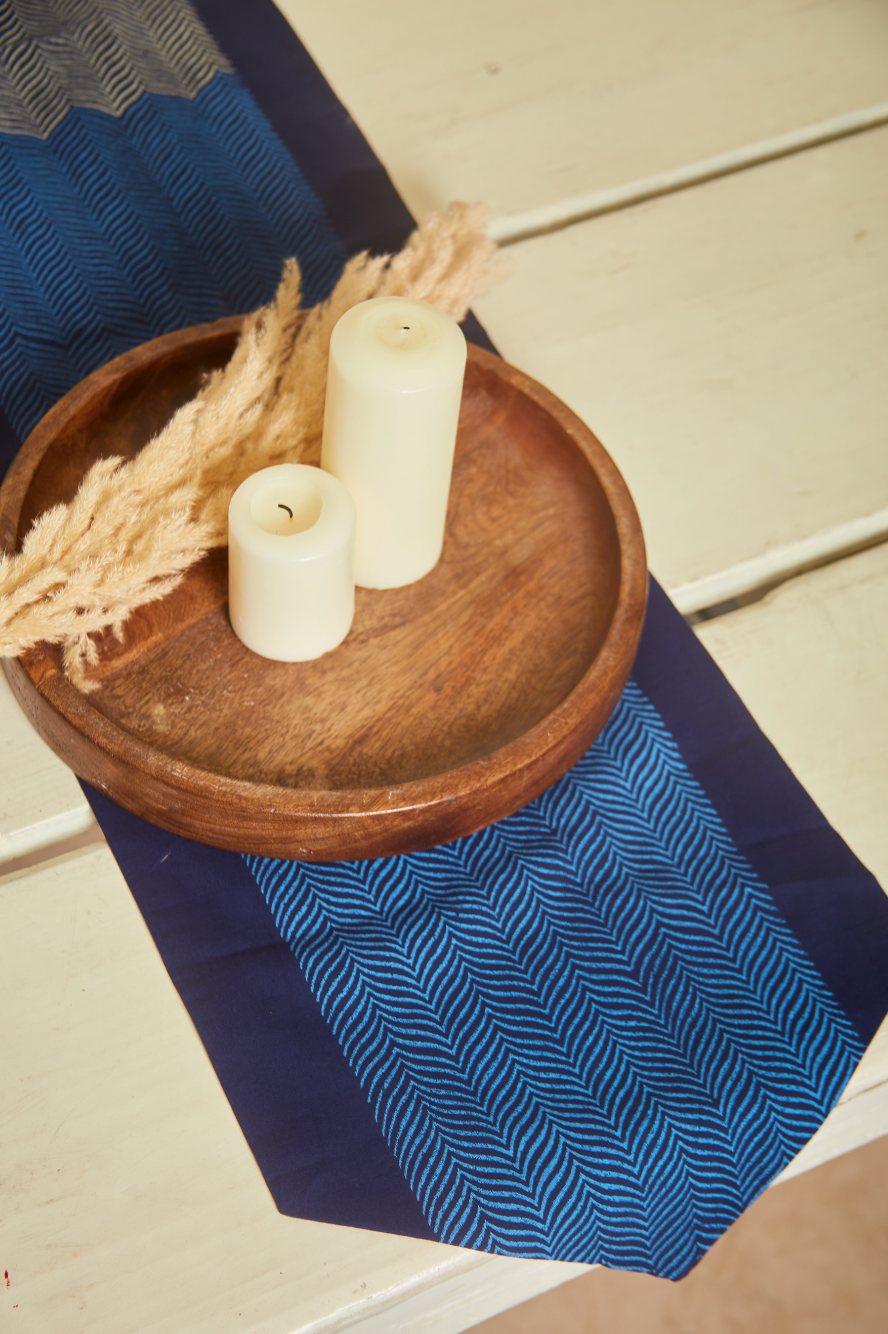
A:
(593, 1032)
(586, 1032)
(116, 230)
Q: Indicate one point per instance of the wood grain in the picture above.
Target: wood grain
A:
(136, 1197)
(810, 661)
(451, 703)
(41, 802)
(523, 104)
(728, 345)
(138, 1206)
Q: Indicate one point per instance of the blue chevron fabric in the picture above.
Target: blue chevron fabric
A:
(117, 228)
(586, 1032)
(593, 1032)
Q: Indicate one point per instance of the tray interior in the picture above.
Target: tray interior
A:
(432, 676)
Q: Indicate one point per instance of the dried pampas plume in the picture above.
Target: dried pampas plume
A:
(84, 567)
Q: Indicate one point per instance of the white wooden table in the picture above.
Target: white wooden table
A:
(726, 341)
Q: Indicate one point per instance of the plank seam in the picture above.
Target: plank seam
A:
(42, 840)
(761, 573)
(580, 208)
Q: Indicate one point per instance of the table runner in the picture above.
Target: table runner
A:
(593, 1032)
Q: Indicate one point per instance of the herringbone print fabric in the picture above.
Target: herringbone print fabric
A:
(586, 1032)
(100, 54)
(125, 211)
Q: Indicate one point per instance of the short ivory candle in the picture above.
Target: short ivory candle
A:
(394, 385)
(291, 588)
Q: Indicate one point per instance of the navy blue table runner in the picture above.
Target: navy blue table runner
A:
(595, 1032)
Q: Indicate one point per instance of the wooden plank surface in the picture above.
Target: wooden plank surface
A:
(810, 661)
(522, 104)
(132, 1202)
(728, 344)
(135, 1203)
(41, 802)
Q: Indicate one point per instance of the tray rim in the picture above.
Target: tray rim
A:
(344, 823)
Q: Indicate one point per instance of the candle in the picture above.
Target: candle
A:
(291, 591)
(394, 385)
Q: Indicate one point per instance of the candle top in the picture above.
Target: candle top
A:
(288, 512)
(395, 343)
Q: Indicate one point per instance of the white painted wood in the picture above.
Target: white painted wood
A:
(728, 344)
(578, 208)
(523, 104)
(457, 1304)
(137, 1206)
(41, 802)
(131, 1201)
(782, 563)
(811, 662)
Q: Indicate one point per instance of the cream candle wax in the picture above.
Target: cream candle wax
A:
(291, 591)
(394, 385)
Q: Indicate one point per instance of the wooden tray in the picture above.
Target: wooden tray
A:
(452, 702)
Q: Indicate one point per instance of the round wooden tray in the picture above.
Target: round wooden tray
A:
(452, 702)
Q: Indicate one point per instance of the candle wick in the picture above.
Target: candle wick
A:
(405, 328)
(287, 508)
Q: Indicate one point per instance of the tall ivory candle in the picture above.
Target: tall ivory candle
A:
(394, 385)
(291, 589)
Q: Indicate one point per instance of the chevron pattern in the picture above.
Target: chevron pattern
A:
(97, 54)
(585, 1032)
(115, 230)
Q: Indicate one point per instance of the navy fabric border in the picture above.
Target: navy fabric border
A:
(833, 905)
(830, 901)
(359, 198)
(307, 1121)
(338, 163)
(303, 1113)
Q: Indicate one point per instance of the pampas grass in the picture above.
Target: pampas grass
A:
(84, 567)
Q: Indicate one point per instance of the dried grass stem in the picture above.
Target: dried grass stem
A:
(85, 567)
